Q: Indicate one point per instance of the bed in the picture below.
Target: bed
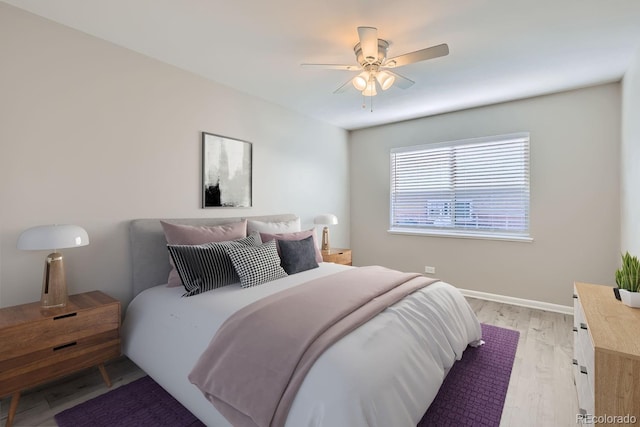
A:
(386, 372)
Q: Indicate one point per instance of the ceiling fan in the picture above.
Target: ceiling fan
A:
(371, 55)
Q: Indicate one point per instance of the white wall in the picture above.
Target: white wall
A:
(96, 135)
(575, 204)
(630, 160)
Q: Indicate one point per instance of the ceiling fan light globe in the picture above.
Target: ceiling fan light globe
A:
(370, 90)
(385, 79)
(360, 81)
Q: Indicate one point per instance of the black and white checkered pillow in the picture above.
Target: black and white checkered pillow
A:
(257, 264)
(208, 266)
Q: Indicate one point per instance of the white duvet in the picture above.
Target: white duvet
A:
(385, 373)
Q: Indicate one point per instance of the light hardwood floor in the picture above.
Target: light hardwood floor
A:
(541, 391)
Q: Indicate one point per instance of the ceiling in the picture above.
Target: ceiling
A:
(500, 50)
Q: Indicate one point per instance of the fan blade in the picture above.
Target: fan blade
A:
(401, 81)
(345, 87)
(418, 55)
(369, 43)
(332, 66)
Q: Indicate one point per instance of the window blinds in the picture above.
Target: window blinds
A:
(479, 185)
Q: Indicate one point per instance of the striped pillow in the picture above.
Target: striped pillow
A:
(208, 266)
(257, 264)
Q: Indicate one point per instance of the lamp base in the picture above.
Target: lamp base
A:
(325, 239)
(54, 284)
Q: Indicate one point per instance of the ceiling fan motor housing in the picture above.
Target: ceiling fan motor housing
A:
(383, 46)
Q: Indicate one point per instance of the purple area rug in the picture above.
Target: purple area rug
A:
(474, 391)
(473, 394)
(141, 403)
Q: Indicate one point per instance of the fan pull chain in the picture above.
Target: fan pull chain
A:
(364, 102)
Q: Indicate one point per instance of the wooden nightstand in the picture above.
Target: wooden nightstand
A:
(39, 345)
(337, 256)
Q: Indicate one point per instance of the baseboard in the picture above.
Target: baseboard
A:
(539, 305)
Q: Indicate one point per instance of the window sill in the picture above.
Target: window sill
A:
(461, 235)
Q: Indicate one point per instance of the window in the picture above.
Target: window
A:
(470, 188)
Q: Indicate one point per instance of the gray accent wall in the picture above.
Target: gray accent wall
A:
(575, 197)
(96, 135)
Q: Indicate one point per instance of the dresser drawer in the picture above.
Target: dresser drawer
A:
(586, 401)
(586, 353)
(578, 316)
(56, 331)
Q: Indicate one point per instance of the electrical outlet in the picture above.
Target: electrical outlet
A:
(429, 270)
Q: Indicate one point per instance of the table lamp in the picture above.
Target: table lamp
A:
(53, 237)
(326, 220)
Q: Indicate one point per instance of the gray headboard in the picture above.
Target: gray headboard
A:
(149, 255)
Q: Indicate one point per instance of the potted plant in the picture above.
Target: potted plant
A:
(628, 280)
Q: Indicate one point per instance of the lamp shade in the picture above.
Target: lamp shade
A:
(326, 219)
(53, 237)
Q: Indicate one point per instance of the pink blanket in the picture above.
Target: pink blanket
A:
(256, 362)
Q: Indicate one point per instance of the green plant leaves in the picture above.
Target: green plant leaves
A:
(628, 276)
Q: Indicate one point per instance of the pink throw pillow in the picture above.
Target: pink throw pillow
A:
(299, 235)
(180, 234)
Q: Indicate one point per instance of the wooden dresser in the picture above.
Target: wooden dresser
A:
(38, 345)
(606, 356)
(337, 256)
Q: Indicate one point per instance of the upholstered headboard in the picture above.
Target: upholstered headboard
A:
(149, 255)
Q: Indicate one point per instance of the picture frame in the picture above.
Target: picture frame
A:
(226, 172)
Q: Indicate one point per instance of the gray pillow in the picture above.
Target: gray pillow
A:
(257, 264)
(297, 255)
(206, 267)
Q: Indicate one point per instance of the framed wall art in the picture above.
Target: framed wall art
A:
(226, 172)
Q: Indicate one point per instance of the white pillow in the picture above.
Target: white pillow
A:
(290, 226)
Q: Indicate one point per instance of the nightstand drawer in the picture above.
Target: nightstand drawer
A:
(55, 331)
(44, 365)
(342, 258)
(337, 256)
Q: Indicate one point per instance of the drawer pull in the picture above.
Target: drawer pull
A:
(575, 329)
(583, 326)
(575, 361)
(575, 296)
(64, 316)
(583, 370)
(60, 347)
